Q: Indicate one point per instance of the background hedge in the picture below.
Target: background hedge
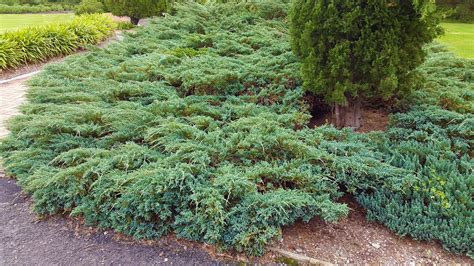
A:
(460, 10)
(21, 9)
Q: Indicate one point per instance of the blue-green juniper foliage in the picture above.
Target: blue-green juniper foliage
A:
(196, 124)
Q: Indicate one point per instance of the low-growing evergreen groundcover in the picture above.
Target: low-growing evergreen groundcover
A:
(196, 125)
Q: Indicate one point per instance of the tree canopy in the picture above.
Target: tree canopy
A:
(361, 49)
(137, 9)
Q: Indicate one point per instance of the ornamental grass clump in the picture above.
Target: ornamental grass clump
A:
(36, 44)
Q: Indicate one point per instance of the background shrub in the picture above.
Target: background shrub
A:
(137, 9)
(89, 7)
(460, 10)
(20, 9)
(464, 12)
(40, 6)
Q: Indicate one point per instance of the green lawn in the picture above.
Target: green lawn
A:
(459, 37)
(10, 22)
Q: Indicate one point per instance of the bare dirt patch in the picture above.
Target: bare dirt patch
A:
(25, 69)
(354, 240)
(373, 119)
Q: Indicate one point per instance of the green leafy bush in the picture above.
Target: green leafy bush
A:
(89, 7)
(460, 10)
(464, 12)
(40, 43)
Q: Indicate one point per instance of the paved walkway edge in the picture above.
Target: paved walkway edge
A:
(27, 75)
(300, 258)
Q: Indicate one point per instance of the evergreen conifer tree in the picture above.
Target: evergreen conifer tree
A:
(360, 49)
(137, 9)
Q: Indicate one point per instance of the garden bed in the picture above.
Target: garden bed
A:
(197, 125)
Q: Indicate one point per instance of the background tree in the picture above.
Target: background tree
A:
(89, 7)
(360, 49)
(137, 9)
(462, 10)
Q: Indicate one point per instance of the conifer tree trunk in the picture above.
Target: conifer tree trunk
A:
(134, 20)
(348, 115)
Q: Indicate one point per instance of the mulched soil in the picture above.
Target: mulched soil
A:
(25, 69)
(354, 240)
(372, 119)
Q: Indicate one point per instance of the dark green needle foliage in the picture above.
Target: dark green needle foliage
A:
(365, 49)
(196, 125)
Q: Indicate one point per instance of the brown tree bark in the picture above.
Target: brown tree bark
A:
(134, 20)
(348, 115)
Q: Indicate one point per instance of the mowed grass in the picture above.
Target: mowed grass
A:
(459, 38)
(11, 22)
